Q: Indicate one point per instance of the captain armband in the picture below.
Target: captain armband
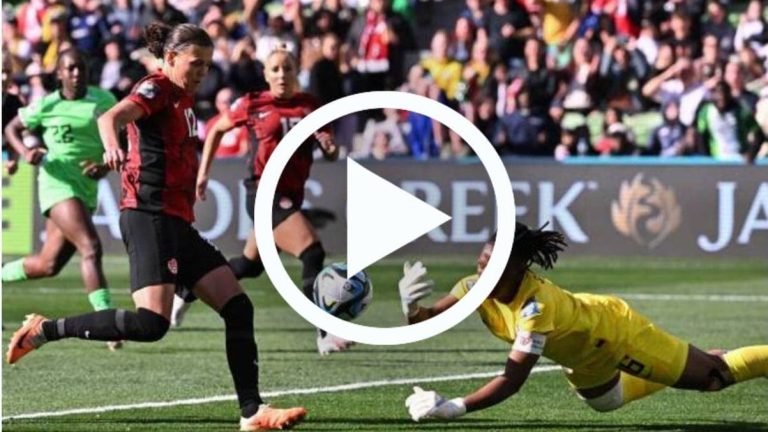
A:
(529, 342)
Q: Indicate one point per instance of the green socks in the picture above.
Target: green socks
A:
(14, 271)
(100, 299)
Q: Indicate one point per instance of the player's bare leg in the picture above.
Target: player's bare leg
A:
(74, 220)
(54, 255)
(716, 370)
(296, 236)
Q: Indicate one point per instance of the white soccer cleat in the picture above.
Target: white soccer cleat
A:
(115, 345)
(180, 308)
(331, 344)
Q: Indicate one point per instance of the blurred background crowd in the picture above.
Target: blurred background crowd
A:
(547, 78)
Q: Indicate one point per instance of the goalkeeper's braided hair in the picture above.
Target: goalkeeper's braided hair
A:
(536, 246)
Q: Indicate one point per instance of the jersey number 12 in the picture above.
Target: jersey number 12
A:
(191, 122)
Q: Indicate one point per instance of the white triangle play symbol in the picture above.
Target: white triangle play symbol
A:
(382, 218)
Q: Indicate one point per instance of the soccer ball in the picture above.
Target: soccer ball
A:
(339, 296)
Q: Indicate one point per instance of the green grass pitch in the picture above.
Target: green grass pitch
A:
(190, 362)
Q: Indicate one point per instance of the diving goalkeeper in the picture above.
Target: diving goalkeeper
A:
(611, 354)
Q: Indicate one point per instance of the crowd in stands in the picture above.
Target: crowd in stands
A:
(550, 78)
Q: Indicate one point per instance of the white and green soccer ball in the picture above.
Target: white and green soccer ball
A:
(339, 296)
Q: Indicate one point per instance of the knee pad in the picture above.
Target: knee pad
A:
(238, 316)
(312, 261)
(243, 267)
(611, 400)
(144, 325)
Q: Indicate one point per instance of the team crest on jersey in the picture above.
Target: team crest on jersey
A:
(285, 203)
(530, 308)
(173, 266)
(147, 90)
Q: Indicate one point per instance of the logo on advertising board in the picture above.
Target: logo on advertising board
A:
(646, 211)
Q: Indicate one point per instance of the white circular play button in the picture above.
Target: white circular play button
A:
(383, 218)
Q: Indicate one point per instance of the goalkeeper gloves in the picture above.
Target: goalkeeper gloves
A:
(413, 286)
(422, 404)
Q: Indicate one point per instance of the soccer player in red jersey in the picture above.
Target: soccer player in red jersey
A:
(269, 115)
(158, 195)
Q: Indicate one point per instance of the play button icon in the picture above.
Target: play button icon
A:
(382, 218)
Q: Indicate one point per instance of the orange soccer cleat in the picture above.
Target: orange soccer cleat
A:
(29, 337)
(268, 418)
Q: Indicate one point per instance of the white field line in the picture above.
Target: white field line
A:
(277, 393)
(735, 298)
(696, 297)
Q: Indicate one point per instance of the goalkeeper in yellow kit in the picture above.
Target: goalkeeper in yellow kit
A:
(611, 354)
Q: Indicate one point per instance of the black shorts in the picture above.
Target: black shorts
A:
(282, 206)
(165, 249)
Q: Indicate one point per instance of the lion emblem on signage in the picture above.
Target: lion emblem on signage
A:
(647, 212)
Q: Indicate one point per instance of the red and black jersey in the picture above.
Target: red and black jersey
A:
(268, 119)
(162, 162)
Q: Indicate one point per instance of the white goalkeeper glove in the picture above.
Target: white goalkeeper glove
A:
(422, 404)
(414, 286)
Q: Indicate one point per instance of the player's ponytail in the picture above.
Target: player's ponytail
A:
(162, 38)
(537, 246)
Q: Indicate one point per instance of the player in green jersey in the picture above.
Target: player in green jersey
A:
(67, 183)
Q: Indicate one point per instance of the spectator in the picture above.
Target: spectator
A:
(234, 143)
(379, 38)
(582, 74)
(463, 39)
(622, 70)
(733, 75)
(681, 35)
(559, 21)
(648, 41)
(246, 72)
(382, 138)
(222, 46)
(754, 70)
(718, 26)
(420, 136)
(679, 81)
(476, 70)
(535, 74)
(475, 13)
(508, 28)
(613, 125)
(672, 137)
(445, 71)
(14, 43)
(727, 130)
(325, 80)
(486, 120)
(523, 133)
(56, 36)
(87, 27)
(574, 141)
(36, 89)
(752, 30)
(119, 72)
(277, 34)
(160, 10)
(618, 142)
(710, 63)
(125, 21)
